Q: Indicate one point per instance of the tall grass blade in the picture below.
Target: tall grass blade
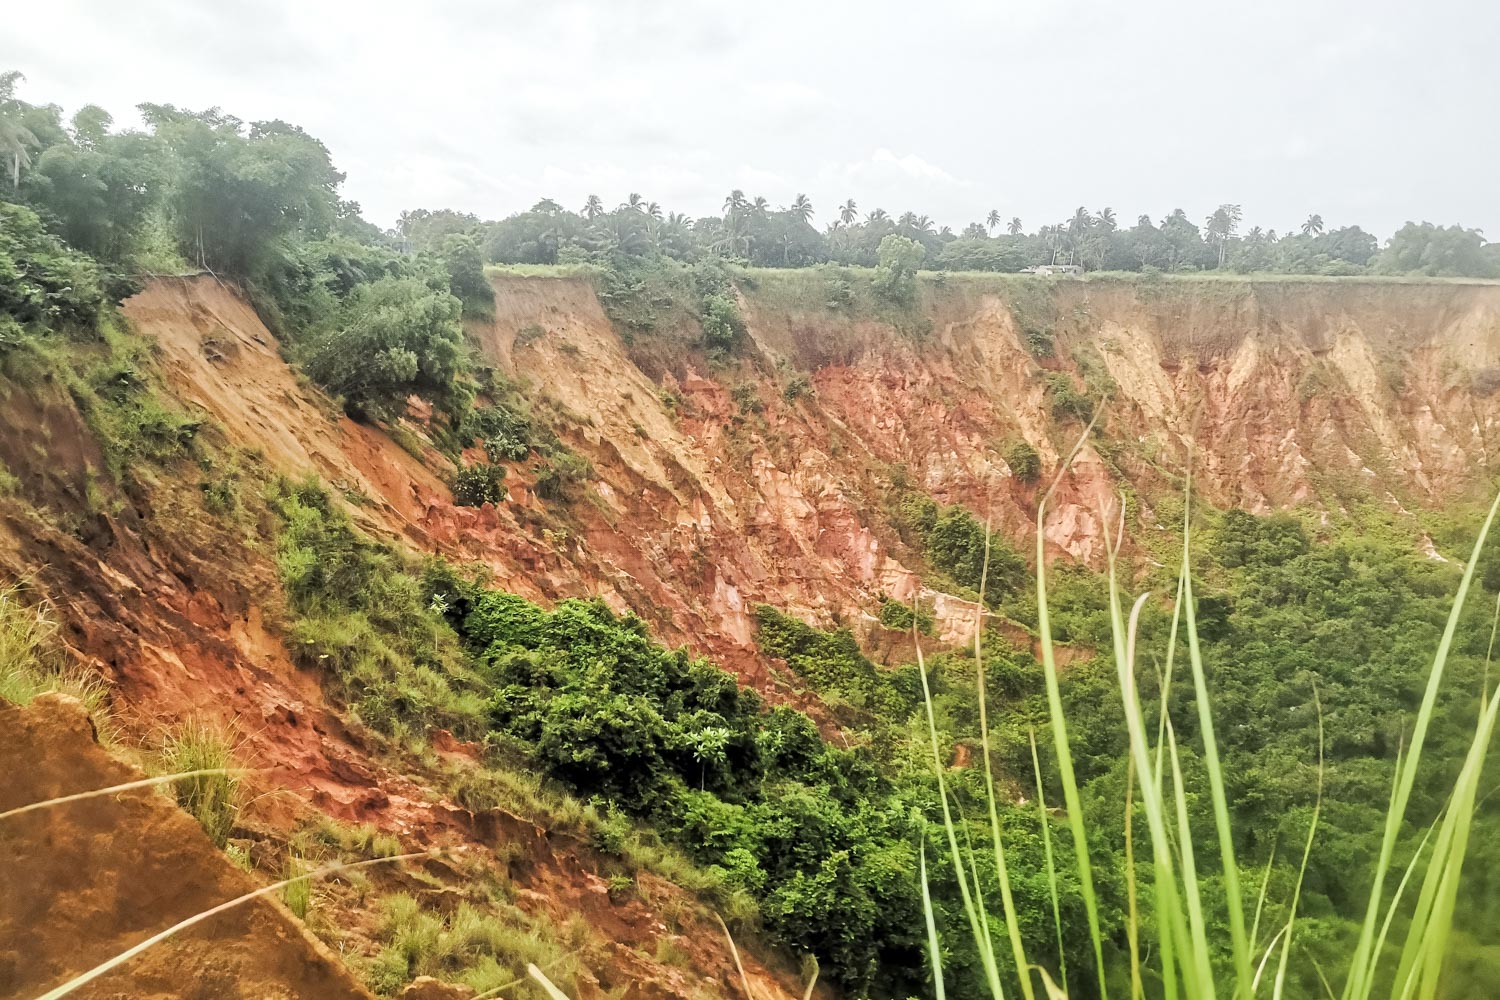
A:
(977, 925)
(1426, 943)
(1071, 799)
(1201, 981)
(1362, 965)
(1233, 900)
(546, 984)
(812, 982)
(934, 950)
(1132, 907)
(1007, 901)
(1312, 832)
(1041, 809)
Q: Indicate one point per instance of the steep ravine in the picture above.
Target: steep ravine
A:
(718, 485)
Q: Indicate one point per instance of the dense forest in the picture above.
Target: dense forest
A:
(821, 838)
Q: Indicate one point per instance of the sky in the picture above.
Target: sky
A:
(1368, 112)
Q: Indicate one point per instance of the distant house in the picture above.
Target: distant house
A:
(1069, 270)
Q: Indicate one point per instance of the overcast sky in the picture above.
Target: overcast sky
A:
(1366, 111)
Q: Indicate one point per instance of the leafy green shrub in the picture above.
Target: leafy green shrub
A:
(477, 485)
(796, 387)
(397, 337)
(956, 545)
(1025, 464)
(1067, 402)
(902, 617)
(895, 277)
(747, 398)
(560, 478)
(43, 283)
(722, 325)
(466, 278)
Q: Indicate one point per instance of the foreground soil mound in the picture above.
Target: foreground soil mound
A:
(86, 880)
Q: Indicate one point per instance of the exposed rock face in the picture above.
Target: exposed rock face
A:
(1277, 393)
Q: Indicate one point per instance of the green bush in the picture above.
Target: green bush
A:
(1025, 464)
(477, 485)
(43, 283)
(722, 325)
(895, 277)
(560, 478)
(396, 338)
(902, 617)
(1067, 403)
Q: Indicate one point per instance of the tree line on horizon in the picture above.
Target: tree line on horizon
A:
(207, 189)
(750, 230)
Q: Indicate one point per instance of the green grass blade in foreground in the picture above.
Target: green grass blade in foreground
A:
(1172, 918)
(1201, 981)
(155, 939)
(1312, 831)
(1041, 810)
(1233, 900)
(1426, 943)
(1362, 966)
(1132, 903)
(934, 952)
(1007, 901)
(982, 939)
(1071, 799)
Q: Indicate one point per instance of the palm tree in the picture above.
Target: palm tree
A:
(1313, 226)
(654, 210)
(946, 233)
(759, 207)
(879, 215)
(1107, 220)
(593, 208)
(634, 202)
(15, 138)
(1015, 228)
(992, 220)
(1080, 222)
(923, 224)
(848, 212)
(907, 220)
(734, 202)
(801, 207)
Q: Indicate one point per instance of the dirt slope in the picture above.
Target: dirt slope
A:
(86, 880)
(1283, 393)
